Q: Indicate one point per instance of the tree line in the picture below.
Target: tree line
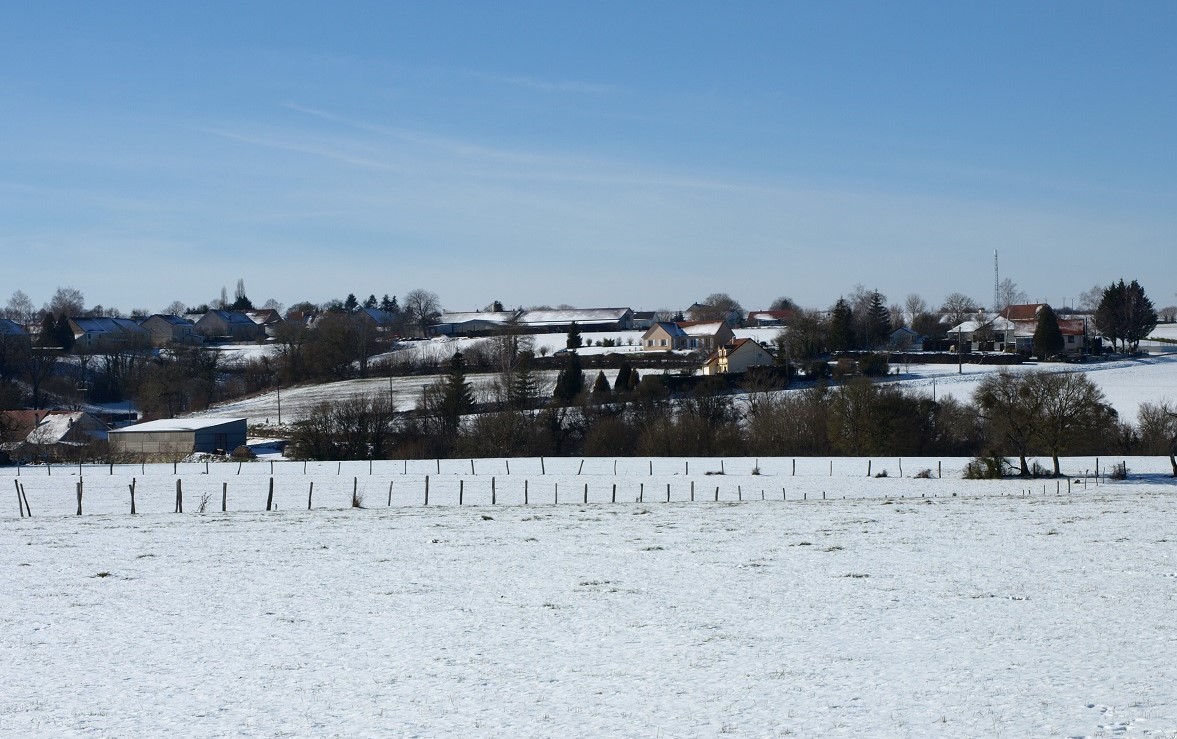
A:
(1012, 414)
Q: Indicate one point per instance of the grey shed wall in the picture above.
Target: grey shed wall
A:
(226, 436)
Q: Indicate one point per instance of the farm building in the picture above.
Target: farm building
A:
(179, 436)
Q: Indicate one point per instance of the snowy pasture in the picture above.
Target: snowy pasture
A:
(908, 607)
(1126, 383)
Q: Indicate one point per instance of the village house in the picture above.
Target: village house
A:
(228, 325)
(100, 333)
(33, 435)
(737, 357)
(686, 336)
(268, 318)
(165, 330)
(769, 318)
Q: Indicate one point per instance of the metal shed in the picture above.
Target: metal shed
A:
(179, 436)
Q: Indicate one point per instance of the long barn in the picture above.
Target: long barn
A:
(179, 436)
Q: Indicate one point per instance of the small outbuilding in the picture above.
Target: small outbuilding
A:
(173, 437)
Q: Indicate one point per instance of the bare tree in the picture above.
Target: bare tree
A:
(958, 308)
(1089, 300)
(1008, 294)
(175, 308)
(782, 303)
(423, 308)
(1070, 405)
(1158, 430)
(20, 309)
(66, 302)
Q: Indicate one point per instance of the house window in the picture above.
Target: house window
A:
(662, 342)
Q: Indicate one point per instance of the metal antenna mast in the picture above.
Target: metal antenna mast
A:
(996, 284)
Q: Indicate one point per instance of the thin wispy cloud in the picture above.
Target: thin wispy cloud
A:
(541, 85)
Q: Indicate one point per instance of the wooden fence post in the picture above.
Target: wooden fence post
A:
(310, 494)
(794, 468)
(461, 490)
(355, 492)
(179, 496)
(716, 493)
(868, 467)
(641, 491)
(692, 491)
(492, 491)
(472, 472)
(270, 496)
(667, 492)
(19, 504)
(224, 497)
(427, 490)
(132, 487)
(614, 498)
(525, 492)
(542, 471)
(585, 490)
(26, 499)
(390, 493)
(580, 468)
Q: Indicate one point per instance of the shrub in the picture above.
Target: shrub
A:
(243, 454)
(818, 369)
(881, 474)
(989, 467)
(924, 474)
(1119, 471)
(874, 365)
(1037, 470)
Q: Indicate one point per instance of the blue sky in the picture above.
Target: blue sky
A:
(642, 154)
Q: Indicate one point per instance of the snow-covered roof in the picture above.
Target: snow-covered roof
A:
(12, 328)
(701, 328)
(177, 424)
(173, 320)
(573, 315)
(670, 327)
(997, 324)
(539, 318)
(103, 325)
(231, 316)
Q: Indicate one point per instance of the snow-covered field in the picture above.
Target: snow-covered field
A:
(1126, 383)
(913, 607)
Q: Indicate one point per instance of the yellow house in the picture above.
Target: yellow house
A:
(737, 356)
(686, 335)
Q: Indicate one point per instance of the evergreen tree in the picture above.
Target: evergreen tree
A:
(621, 384)
(370, 302)
(521, 390)
(1125, 314)
(387, 304)
(570, 381)
(601, 385)
(1048, 339)
(48, 335)
(63, 335)
(878, 322)
(574, 341)
(350, 304)
(457, 398)
(841, 331)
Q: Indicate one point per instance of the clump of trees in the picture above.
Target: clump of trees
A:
(1125, 315)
